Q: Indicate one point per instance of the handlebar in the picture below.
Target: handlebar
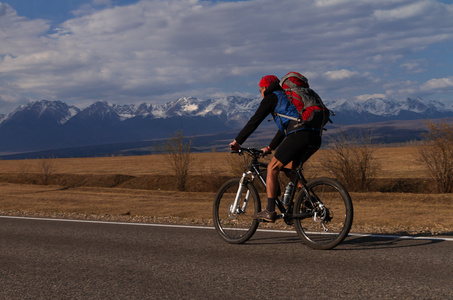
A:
(250, 151)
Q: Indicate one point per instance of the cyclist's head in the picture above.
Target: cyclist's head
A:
(265, 82)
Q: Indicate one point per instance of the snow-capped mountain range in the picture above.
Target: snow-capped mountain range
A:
(233, 108)
(54, 124)
(379, 109)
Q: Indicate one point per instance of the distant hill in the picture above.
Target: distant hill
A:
(53, 126)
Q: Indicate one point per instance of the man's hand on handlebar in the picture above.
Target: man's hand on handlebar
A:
(234, 146)
(266, 151)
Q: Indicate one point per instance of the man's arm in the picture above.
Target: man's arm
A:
(278, 138)
(266, 107)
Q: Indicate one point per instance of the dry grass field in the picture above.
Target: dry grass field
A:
(139, 189)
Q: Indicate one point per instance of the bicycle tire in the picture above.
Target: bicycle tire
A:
(238, 228)
(332, 223)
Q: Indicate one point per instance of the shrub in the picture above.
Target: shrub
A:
(351, 160)
(177, 152)
(436, 153)
(46, 168)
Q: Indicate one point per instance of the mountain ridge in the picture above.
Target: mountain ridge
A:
(45, 124)
(231, 106)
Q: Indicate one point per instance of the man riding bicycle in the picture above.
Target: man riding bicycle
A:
(292, 141)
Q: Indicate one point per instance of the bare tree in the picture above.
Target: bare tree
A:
(351, 160)
(46, 168)
(177, 153)
(436, 153)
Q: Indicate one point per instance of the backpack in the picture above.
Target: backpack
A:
(284, 113)
(312, 110)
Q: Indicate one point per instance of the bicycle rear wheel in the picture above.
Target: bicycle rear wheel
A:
(331, 214)
(235, 225)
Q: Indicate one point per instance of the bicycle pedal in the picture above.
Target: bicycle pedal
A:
(265, 221)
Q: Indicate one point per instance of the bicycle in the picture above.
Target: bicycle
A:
(322, 210)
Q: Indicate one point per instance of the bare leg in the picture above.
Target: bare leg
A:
(273, 169)
(269, 213)
(291, 176)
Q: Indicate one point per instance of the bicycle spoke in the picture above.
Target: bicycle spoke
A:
(234, 224)
(331, 214)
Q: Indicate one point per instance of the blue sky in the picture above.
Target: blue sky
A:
(156, 51)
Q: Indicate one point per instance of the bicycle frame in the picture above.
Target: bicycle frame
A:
(255, 170)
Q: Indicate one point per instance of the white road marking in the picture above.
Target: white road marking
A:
(206, 227)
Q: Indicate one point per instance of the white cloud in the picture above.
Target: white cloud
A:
(158, 49)
(401, 88)
(325, 3)
(411, 10)
(438, 84)
(19, 35)
(369, 96)
(341, 74)
(415, 66)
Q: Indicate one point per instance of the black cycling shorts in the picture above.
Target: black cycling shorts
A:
(298, 147)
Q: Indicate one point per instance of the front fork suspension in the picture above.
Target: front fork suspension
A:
(235, 210)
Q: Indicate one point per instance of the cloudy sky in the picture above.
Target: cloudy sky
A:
(155, 51)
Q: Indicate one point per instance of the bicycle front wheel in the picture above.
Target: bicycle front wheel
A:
(330, 210)
(235, 224)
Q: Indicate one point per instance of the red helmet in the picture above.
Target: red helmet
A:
(267, 80)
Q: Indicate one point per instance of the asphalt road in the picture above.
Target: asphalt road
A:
(43, 259)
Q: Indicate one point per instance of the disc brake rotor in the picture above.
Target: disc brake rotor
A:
(234, 214)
